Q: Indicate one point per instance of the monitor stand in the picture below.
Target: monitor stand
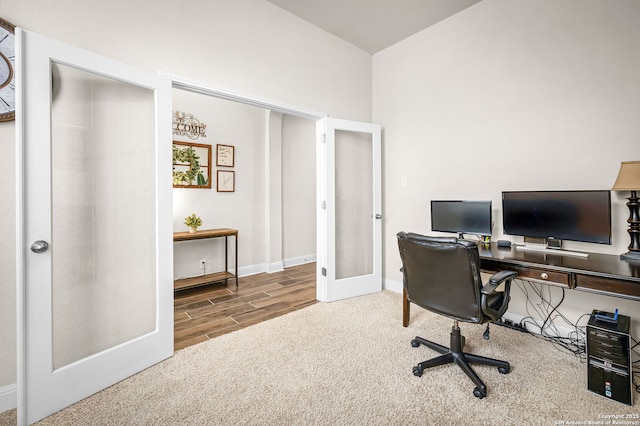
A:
(544, 248)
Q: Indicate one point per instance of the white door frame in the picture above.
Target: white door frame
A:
(230, 95)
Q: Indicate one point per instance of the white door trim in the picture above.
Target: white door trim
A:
(230, 95)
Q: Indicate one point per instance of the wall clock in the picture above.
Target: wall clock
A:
(7, 73)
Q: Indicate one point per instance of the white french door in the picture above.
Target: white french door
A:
(94, 229)
(350, 212)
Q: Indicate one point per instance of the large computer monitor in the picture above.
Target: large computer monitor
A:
(561, 215)
(461, 217)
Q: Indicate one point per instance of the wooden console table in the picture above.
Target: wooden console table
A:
(225, 275)
(599, 273)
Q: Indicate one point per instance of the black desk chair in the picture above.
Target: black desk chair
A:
(443, 275)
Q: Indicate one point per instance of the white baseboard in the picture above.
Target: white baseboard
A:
(300, 260)
(244, 271)
(8, 397)
(275, 267)
(269, 268)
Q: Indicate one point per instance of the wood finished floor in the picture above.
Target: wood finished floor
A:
(206, 312)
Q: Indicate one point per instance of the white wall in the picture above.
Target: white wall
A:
(228, 123)
(242, 45)
(298, 189)
(510, 95)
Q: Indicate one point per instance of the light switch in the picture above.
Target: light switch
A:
(404, 182)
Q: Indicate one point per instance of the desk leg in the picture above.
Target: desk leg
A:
(405, 308)
(236, 259)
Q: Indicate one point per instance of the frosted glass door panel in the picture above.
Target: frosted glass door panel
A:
(103, 258)
(354, 204)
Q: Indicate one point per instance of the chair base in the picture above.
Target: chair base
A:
(454, 354)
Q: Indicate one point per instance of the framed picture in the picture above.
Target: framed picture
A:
(225, 155)
(226, 181)
(191, 165)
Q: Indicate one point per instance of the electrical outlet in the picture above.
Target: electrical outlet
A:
(203, 263)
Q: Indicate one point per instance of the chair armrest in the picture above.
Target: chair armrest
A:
(496, 280)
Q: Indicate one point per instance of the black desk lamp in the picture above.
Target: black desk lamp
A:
(629, 180)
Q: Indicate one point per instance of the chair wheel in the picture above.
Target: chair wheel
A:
(479, 393)
(417, 371)
(504, 370)
(415, 343)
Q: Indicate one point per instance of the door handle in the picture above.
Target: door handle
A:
(39, 246)
(378, 216)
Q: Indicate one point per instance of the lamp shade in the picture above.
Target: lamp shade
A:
(628, 177)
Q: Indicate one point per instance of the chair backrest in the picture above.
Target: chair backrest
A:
(442, 274)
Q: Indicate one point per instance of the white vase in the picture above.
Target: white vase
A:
(192, 230)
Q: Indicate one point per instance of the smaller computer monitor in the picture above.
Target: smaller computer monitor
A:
(461, 217)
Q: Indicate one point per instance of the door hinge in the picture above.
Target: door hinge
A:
(323, 205)
(324, 272)
(323, 138)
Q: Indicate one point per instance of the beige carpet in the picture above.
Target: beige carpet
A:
(348, 363)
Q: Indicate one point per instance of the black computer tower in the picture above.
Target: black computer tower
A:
(608, 358)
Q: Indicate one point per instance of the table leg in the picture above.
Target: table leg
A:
(226, 252)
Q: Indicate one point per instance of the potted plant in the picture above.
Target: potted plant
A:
(193, 222)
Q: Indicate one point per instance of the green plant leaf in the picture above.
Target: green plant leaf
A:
(201, 179)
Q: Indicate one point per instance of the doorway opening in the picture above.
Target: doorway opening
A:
(273, 207)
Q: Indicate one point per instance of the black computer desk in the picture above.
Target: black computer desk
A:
(598, 273)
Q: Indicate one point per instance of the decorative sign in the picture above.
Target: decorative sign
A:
(187, 125)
